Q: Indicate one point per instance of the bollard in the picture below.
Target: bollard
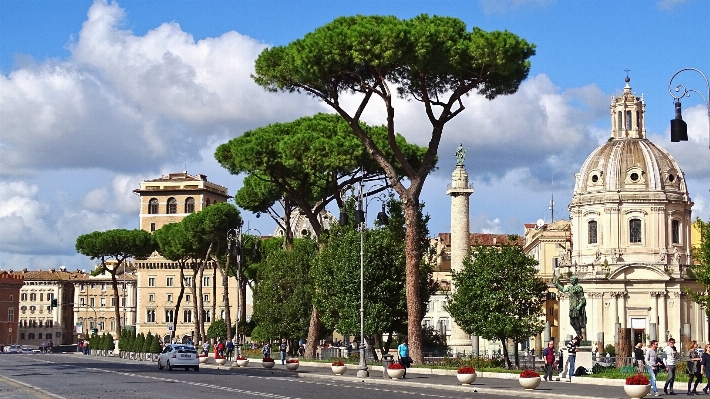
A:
(387, 360)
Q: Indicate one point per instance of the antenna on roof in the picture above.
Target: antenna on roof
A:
(552, 200)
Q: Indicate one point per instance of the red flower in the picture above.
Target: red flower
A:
(638, 379)
(292, 361)
(337, 363)
(395, 366)
(529, 374)
(240, 357)
(467, 370)
(268, 359)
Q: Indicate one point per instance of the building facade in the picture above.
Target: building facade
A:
(631, 243)
(10, 286)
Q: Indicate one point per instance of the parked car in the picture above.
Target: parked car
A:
(29, 349)
(179, 355)
(13, 349)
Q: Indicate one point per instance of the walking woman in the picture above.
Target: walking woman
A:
(705, 366)
(693, 367)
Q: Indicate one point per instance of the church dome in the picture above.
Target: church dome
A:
(629, 162)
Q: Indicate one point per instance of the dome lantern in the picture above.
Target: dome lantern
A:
(627, 115)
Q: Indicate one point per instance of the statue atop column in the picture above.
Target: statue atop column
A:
(460, 154)
(577, 305)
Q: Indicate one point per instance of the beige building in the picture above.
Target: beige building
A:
(39, 322)
(169, 199)
(631, 221)
(94, 302)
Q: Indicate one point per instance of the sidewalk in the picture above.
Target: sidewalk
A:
(490, 383)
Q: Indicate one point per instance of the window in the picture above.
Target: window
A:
(33, 297)
(22, 336)
(40, 323)
(628, 120)
(103, 302)
(206, 316)
(81, 288)
(635, 230)
(101, 326)
(92, 286)
(150, 316)
(11, 314)
(50, 296)
(153, 206)
(592, 232)
(23, 297)
(188, 281)
(206, 298)
(48, 336)
(151, 281)
(169, 281)
(151, 298)
(675, 231)
(123, 301)
(103, 287)
(187, 316)
(221, 315)
(31, 336)
(12, 298)
(205, 281)
(170, 297)
(41, 297)
(169, 316)
(33, 308)
(82, 302)
(50, 323)
(113, 302)
(444, 325)
(190, 205)
(152, 227)
(172, 205)
(187, 298)
(113, 324)
(618, 120)
(91, 302)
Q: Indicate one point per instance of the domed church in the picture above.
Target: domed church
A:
(630, 220)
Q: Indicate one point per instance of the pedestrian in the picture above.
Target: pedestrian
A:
(283, 348)
(572, 347)
(51, 346)
(220, 348)
(652, 364)
(705, 367)
(403, 352)
(206, 348)
(693, 368)
(670, 352)
(638, 356)
(189, 341)
(86, 347)
(230, 349)
(548, 355)
(266, 350)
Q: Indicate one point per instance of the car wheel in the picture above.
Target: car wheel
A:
(197, 368)
(160, 365)
(170, 368)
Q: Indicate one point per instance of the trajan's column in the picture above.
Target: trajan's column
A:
(460, 190)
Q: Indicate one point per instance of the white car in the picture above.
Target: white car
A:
(13, 349)
(179, 355)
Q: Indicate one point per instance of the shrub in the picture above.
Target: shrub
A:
(147, 343)
(155, 345)
(466, 370)
(395, 366)
(337, 363)
(529, 374)
(610, 349)
(638, 379)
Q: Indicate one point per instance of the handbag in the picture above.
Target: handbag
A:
(691, 367)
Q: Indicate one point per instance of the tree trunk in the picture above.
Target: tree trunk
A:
(225, 298)
(215, 266)
(504, 344)
(375, 340)
(200, 301)
(386, 348)
(117, 308)
(313, 330)
(195, 307)
(179, 300)
(623, 347)
(516, 355)
(414, 314)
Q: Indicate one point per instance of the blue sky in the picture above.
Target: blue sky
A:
(97, 96)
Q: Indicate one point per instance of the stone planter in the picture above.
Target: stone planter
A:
(242, 363)
(221, 361)
(268, 365)
(395, 374)
(637, 391)
(292, 366)
(529, 383)
(203, 359)
(466, 379)
(339, 370)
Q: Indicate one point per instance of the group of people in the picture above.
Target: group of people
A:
(697, 364)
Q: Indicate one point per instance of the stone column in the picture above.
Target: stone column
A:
(460, 191)
(653, 323)
(622, 308)
(614, 308)
(662, 326)
(564, 316)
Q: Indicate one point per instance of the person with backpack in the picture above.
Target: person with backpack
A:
(230, 349)
(266, 350)
(548, 355)
(404, 359)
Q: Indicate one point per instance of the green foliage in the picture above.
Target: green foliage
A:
(138, 343)
(246, 328)
(217, 329)
(155, 345)
(433, 342)
(337, 276)
(701, 269)
(283, 297)
(498, 294)
(610, 349)
(147, 343)
(126, 342)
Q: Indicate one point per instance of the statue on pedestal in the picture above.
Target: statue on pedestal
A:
(460, 154)
(577, 305)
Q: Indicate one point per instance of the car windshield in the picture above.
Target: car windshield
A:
(184, 348)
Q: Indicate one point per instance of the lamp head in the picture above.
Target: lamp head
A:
(679, 129)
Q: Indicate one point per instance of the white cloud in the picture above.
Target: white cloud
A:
(95, 200)
(506, 6)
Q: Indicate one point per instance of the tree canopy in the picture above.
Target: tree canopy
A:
(118, 245)
(701, 269)
(498, 294)
(432, 60)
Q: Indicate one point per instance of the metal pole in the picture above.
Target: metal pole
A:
(686, 93)
(362, 369)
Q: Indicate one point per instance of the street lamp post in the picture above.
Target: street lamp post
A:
(679, 129)
(235, 236)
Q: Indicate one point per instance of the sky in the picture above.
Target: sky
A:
(97, 96)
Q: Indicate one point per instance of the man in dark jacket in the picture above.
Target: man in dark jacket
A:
(549, 355)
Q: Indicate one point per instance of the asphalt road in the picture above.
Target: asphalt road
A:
(75, 376)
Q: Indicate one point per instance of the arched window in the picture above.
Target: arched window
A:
(619, 122)
(628, 120)
(23, 296)
(207, 203)
(153, 206)
(187, 316)
(190, 205)
(172, 205)
(675, 231)
(592, 232)
(33, 297)
(635, 230)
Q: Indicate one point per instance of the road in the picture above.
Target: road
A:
(76, 376)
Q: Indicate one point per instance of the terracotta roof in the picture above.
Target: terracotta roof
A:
(51, 275)
(482, 239)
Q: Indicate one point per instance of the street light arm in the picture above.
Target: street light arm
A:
(686, 92)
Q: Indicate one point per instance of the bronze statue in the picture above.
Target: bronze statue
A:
(577, 305)
(460, 154)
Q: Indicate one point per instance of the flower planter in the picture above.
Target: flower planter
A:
(529, 383)
(268, 365)
(242, 363)
(221, 361)
(339, 370)
(395, 374)
(292, 366)
(637, 391)
(203, 359)
(466, 379)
